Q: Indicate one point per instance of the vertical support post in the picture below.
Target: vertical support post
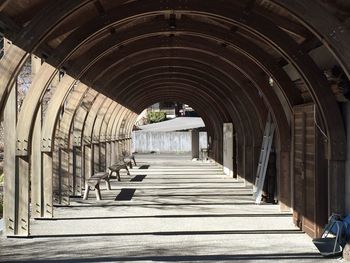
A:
(87, 161)
(114, 151)
(284, 181)
(234, 157)
(77, 170)
(240, 161)
(102, 156)
(54, 168)
(129, 145)
(118, 149)
(66, 190)
(22, 163)
(10, 190)
(47, 184)
(346, 114)
(71, 168)
(195, 143)
(336, 179)
(228, 148)
(36, 172)
(108, 154)
(248, 164)
(96, 157)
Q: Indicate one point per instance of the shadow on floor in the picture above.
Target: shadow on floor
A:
(144, 166)
(184, 233)
(191, 258)
(138, 178)
(125, 194)
(167, 216)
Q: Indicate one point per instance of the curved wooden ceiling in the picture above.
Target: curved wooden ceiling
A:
(220, 55)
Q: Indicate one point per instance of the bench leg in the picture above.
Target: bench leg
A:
(116, 174)
(126, 167)
(98, 192)
(86, 192)
(108, 185)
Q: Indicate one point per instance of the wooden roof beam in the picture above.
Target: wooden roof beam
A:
(3, 4)
(9, 27)
(285, 23)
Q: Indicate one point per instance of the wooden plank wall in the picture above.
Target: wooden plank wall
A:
(309, 172)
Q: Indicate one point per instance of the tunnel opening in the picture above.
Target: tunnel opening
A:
(170, 127)
(94, 66)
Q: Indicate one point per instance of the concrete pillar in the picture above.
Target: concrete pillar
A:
(195, 144)
(228, 148)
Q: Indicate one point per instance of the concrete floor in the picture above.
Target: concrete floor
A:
(174, 210)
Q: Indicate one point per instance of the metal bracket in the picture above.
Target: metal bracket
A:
(95, 139)
(77, 141)
(22, 148)
(46, 145)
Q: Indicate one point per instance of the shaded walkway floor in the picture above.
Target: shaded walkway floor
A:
(172, 209)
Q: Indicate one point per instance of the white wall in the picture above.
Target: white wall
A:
(166, 142)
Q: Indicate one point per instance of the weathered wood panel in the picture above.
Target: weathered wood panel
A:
(310, 172)
(10, 198)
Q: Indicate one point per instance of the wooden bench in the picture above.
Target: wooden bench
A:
(94, 183)
(115, 168)
(129, 159)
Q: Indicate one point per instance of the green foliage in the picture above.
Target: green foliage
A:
(154, 117)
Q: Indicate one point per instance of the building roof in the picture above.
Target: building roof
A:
(176, 124)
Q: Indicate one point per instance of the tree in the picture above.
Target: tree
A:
(154, 117)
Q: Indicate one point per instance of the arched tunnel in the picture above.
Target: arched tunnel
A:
(103, 62)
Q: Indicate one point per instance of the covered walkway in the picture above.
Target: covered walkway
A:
(94, 65)
(169, 209)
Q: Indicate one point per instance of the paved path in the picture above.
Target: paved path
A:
(170, 210)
